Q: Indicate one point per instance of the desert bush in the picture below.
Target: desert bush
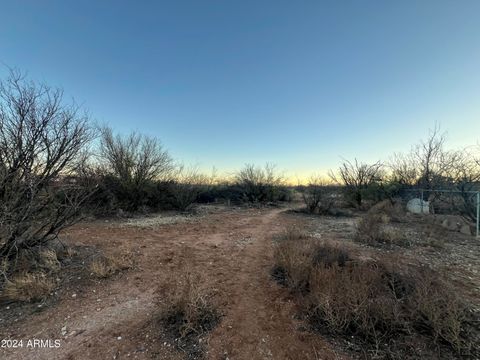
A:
(369, 229)
(296, 255)
(355, 300)
(316, 196)
(41, 140)
(377, 303)
(434, 235)
(224, 191)
(359, 179)
(438, 310)
(28, 287)
(134, 163)
(372, 230)
(259, 184)
(188, 311)
(49, 260)
(189, 308)
(187, 186)
(392, 208)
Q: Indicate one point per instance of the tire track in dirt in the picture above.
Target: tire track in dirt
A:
(258, 318)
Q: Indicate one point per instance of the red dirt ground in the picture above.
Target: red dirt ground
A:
(116, 318)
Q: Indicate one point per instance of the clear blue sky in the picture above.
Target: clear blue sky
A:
(297, 83)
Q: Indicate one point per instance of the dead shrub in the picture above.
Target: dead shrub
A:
(293, 232)
(434, 236)
(66, 252)
(293, 263)
(48, 260)
(393, 209)
(372, 230)
(104, 266)
(296, 255)
(354, 300)
(438, 310)
(394, 236)
(189, 309)
(375, 302)
(28, 287)
(317, 196)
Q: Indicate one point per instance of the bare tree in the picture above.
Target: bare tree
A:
(403, 169)
(41, 138)
(259, 184)
(134, 163)
(135, 159)
(461, 173)
(357, 177)
(424, 166)
(430, 159)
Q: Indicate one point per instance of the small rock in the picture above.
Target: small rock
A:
(119, 338)
(74, 295)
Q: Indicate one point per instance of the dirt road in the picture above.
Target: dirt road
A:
(116, 318)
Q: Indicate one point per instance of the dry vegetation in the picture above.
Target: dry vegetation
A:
(389, 310)
(28, 287)
(188, 311)
(104, 266)
(373, 230)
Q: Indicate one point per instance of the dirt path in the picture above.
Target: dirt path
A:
(115, 318)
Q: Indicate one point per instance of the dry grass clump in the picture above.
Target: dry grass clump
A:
(28, 277)
(48, 260)
(188, 311)
(439, 311)
(372, 230)
(434, 236)
(104, 266)
(393, 209)
(296, 255)
(66, 252)
(28, 287)
(189, 308)
(375, 302)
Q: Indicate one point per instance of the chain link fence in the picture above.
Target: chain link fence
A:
(444, 201)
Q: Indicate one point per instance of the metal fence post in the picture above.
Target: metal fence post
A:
(478, 212)
(421, 198)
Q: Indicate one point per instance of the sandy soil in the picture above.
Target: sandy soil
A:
(116, 318)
